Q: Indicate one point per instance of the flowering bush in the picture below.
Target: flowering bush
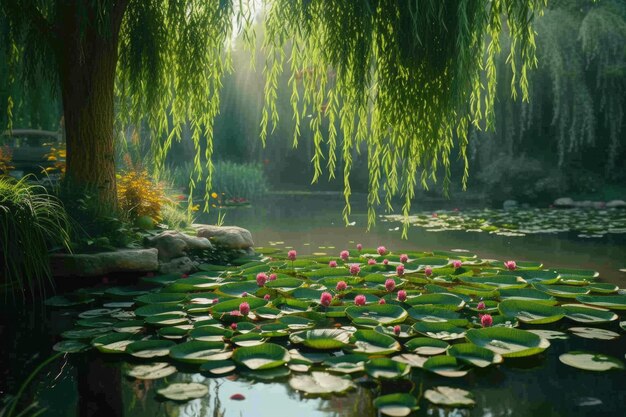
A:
(139, 195)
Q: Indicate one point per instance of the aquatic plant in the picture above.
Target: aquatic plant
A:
(139, 195)
(326, 298)
(291, 255)
(344, 255)
(261, 279)
(332, 264)
(510, 265)
(359, 300)
(244, 308)
(341, 286)
(486, 320)
(31, 223)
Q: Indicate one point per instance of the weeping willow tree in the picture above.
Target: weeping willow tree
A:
(404, 77)
(575, 115)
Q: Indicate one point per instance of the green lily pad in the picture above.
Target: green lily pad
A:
(218, 367)
(321, 338)
(346, 364)
(69, 300)
(114, 342)
(474, 355)
(156, 309)
(84, 334)
(161, 298)
(527, 294)
(265, 356)
(449, 301)
(508, 342)
(435, 314)
(156, 370)
(530, 311)
(602, 288)
(197, 351)
(427, 346)
(319, 383)
(385, 368)
(446, 366)
(593, 333)
(613, 302)
(376, 314)
(297, 323)
(150, 348)
(166, 320)
(587, 314)
(562, 291)
(225, 307)
(449, 397)
(70, 346)
(371, 342)
(210, 334)
(285, 284)
(396, 405)
(590, 361)
(248, 339)
(442, 331)
(236, 289)
(184, 391)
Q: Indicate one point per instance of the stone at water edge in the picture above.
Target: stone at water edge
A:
(172, 244)
(510, 205)
(616, 204)
(178, 266)
(230, 237)
(564, 202)
(103, 263)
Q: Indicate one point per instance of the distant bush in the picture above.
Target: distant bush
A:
(139, 195)
(31, 222)
(232, 181)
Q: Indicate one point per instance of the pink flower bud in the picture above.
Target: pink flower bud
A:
(332, 264)
(381, 250)
(371, 261)
(385, 261)
(359, 300)
(341, 286)
(510, 265)
(244, 308)
(481, 306)
(402, 295)
(486, 320)
(261, 279)
(404, 258)
(272, 277)
(233, 326)
(344, 255)
(456, 264)
(382, 301)
(355, 269)
(291, 255)
(359, 247)
(266, 297)
(397, 329)
(400, 270)
(428, 271)
(390, 285)
(326, 298)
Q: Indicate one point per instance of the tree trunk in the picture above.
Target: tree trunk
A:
(87, 58)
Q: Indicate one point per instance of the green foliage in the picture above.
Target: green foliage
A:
(403, 77)
(31, 222)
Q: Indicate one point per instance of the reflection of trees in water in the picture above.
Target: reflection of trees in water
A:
(354, 404)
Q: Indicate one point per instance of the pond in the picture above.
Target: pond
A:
(93, 383)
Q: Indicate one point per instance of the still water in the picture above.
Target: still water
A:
(92, 385)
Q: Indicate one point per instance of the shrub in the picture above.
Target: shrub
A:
(6, 155)
(31, 222)
(139, 195)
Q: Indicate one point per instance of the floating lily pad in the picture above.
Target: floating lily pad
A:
(446, 366)
(84, 333)
(319, 383)
(527, 294)
(218, 367)
(396, 405)
(587, 314)
(150, 348)
(69, 300)
(474, 355)
(531, 312)
(449, 301)
(371, 342)
(427, 346)
(594, 333)
(210, 333)
(248, 339)
(376, 314)
(114, 342)
(321, 338)
(161, 298)
(184, 391)
(225, 307)
(449, 397)
(70, 346)
(197, 351)
(435, 314)
(385, 368)
(443, 331)
(156, 370)
(156, 309)
(508, 342)
(265, 356)
(613, 302)
(346, 364)
(563, 291)
(590, 361)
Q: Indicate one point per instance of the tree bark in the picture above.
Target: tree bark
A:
(87, 54)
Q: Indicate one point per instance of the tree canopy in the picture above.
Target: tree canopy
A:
(405, 77)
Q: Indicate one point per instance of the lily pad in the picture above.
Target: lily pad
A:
(531, 312)
(587, 314)
(319, 383)
(590, 361)
(446, 366)
(371, 342)
(265, 356)
(613, 302)
(449, 397)
(594, 333)
(474, 355)
(219, 367)
(156, 370)
(449, 301)
(508, 342)
(197, 351)
(442, 331)
(396, 405)
(346, 364)
(70, 346)
(377, 314)
(321, 338)
(184, 391)
(385, 368)
(427, 346)
(150, 348)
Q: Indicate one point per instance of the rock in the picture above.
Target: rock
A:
(616, 204)
(182, 265)
(230, 237)
(98, 264)
(172, 244)
(509, 204)
(584, 204)
(564, 202)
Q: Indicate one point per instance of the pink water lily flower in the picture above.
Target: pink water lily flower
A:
(332, 264)
(244, 308)
(359, 300)
(381, 250)
(404, 258)
(215, 301)
(428, 271)
(486, 320)
(244, 294)
(355, 269)
(385, 261)
(341, 286)
(291, 255)
(402, 295)
(382, 301)
(261, 279)
(510, 265)
(266, 297)
(359, 247)
(390, 285)
(326, 298)
(397, 329)
(272, 277)
(233, 326)
(481, 306)
(400, 270)
(344, 255)
(456, 264)
(371, 261)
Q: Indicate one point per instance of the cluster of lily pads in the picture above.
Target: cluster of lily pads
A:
(586, 223)
(326, 322)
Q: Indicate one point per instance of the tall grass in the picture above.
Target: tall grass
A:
(31, 222)
(233, 179)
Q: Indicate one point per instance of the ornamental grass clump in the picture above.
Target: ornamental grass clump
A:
(31, 222)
